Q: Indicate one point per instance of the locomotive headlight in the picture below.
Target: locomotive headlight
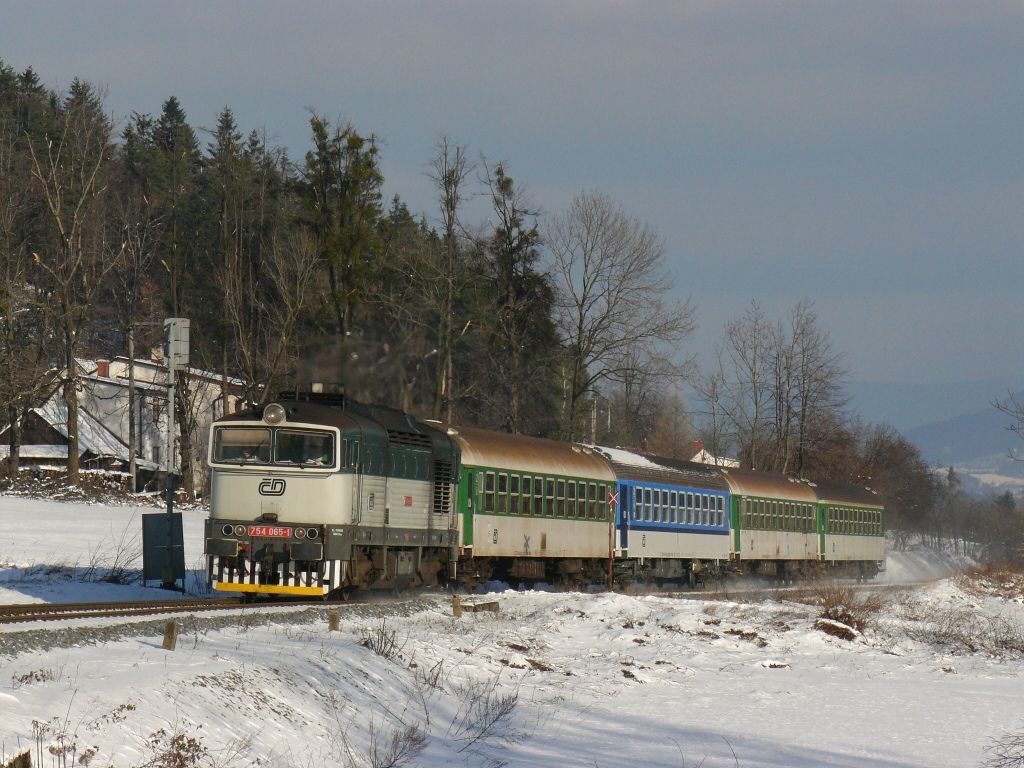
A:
(227, 530)
(311, 533)
(239, 530)
(274, 413)
(300, 533)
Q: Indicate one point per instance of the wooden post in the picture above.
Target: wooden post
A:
(334, 621)
(456, 606)
(171, 631)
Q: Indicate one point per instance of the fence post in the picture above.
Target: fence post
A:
(171, 631)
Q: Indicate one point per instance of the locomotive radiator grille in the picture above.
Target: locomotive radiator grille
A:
(442, 491)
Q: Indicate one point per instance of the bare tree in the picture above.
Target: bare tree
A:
(68, 169)
(1013, 406)
(745, 374)
(266, 309)
(23, 330)
(714, 432)
(139, 227)
(611, 309)
(448, 170)
(806, 385)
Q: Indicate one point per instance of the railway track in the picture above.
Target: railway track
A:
(16, 614)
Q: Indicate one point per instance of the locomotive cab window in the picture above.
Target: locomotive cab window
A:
(307, 449)
(237, 445)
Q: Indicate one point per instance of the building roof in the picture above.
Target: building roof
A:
(703, 456)
(93, 436)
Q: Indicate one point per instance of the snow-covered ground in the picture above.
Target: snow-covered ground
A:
(552, 679)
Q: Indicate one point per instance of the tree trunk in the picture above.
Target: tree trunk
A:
(14, 442)
(71, 399)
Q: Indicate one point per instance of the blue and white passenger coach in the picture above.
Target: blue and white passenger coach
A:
(671, 520)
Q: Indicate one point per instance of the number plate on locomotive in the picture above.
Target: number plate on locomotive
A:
(270, 532)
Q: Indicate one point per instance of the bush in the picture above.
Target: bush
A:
(844, 604)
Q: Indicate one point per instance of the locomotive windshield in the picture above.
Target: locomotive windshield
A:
(295, 447)
(256, 445)
(241, 446)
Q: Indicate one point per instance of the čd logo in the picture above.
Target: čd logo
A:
(272, 487)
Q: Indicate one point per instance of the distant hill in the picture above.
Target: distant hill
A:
(907, 406)
(979, 446)
(967, 438)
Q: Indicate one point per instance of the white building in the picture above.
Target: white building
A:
(103, 419)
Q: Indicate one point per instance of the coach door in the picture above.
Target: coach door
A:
(622, 510)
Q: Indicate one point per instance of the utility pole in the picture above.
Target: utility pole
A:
(176, 353)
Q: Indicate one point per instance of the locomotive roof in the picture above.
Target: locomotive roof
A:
(835, 492)
(657, 469)
(313, 413)
(749, 482)
(520, 453)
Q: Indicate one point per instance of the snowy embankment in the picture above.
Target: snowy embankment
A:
(552, 679)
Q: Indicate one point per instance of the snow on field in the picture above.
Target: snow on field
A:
(550, 680)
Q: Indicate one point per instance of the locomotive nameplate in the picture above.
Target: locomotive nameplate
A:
(270, 532)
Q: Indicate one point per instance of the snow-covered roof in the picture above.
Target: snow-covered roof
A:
(36, 451)
(622, 456)
(92, 435)
(704, 457)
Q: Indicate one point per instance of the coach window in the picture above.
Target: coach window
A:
(647, 504)
(526, 493)
(502, 493)
(538, 496)
(560, 498)
(549, 497)
(602, 502)
(673, 508)
(489, 492)
(570, 497)
(720, 504)
(513, 494)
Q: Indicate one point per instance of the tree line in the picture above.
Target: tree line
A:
(297, 269)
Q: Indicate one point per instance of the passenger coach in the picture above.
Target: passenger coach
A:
(774, 523)
(671, 518)
(531, 509)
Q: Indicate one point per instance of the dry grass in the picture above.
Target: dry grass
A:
(994, 580)
(843, 604)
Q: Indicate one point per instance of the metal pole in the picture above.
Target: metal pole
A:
(170, 438)
(133, 445)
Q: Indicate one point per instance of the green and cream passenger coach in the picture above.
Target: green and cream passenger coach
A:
(531, 509)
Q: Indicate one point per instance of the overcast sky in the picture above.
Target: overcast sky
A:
(867, 155)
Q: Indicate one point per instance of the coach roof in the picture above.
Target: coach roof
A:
(519, 453)
(748, 482)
